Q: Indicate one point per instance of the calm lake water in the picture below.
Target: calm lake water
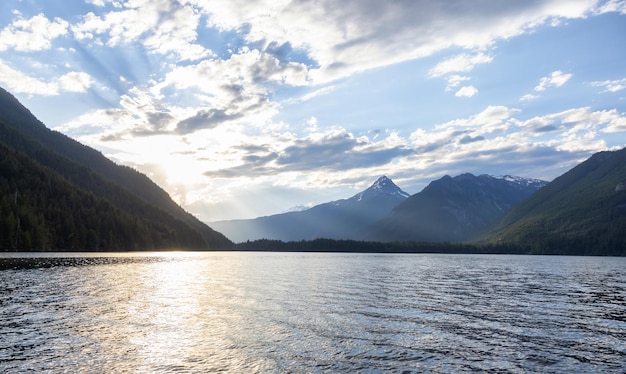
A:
(312, 312)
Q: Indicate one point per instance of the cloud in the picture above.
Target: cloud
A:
(205, 119)
(529, 97)
(138, 113)
(555, 79)
(466, 91)
(611, 6)
(161, 26)
(239, 87)
(19, 82)
(142, 113)
(359, 35)
(75, 82)
(494, 118)
(495, 135)
(319, 92)
(611, 85)
(34, 34)
(243, 75)
(462, 63)
(332, 151)
(455, 80)
(577, 127)
(468, 139)
(102, 3)
(95, 2)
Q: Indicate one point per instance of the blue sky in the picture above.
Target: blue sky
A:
(241, 109)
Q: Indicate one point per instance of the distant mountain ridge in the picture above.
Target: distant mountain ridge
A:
(453, 209)
(60, 166)
(340, 219)
(447, 210)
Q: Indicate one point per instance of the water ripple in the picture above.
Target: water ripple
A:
(264, 312)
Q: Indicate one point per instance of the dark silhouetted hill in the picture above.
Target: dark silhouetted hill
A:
(58, 194)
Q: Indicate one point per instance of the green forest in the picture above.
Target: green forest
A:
(558, 247)
(39, 210)
(59, 195)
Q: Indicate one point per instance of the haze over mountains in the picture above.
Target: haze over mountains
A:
(448, 210)
(341, 219)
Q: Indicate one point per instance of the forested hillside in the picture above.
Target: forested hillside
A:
(58, 194)
(581, 212)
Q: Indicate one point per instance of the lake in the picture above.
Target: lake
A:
(311, 312)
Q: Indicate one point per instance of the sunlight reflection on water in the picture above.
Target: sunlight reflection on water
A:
(268, 312)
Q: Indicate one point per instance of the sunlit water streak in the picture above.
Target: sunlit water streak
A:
(295, 312)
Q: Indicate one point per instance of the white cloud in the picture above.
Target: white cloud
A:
(573, 122)
(494, 118)
(466, 91)
(555, 79)
(319, 92)
(162, 26)
(238, 87)
(19, 82)
(34, 34)
(75, 82)
(496, 136)
(102, 3)
(611, 85)
(529, 97)
(611, 6)
(497, 128)
(359, 35)
(455, 80)
(461, 63)
(95, 2)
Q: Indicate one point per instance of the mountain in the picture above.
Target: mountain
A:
(581, 212)
(453, 209)
(341, 219)
(58, 194)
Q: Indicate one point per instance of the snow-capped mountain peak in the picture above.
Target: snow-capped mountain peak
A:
(383, 185)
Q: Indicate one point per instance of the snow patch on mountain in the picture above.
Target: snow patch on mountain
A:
(299, 208)
(521, 180)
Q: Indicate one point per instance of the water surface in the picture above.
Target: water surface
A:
(311, 312)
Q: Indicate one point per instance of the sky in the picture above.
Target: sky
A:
(240, 109)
